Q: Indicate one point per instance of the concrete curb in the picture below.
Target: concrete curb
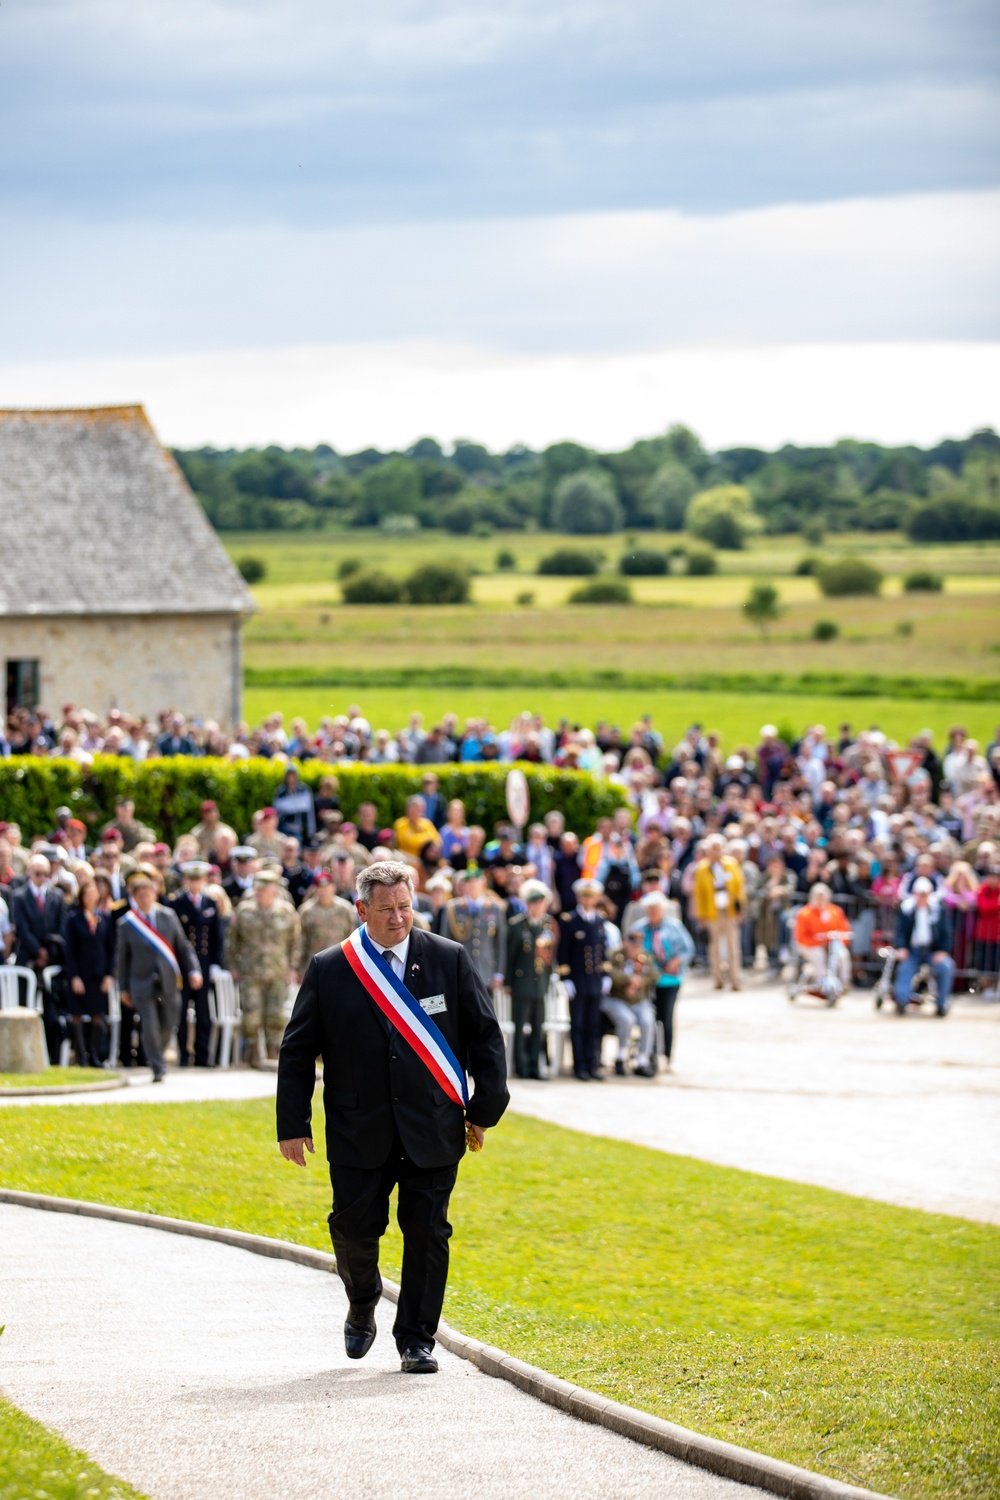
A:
(100, 1087)
(725, 1459)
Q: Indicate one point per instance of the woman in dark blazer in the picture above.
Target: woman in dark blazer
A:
(90, 967)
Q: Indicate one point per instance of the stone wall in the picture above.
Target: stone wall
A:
(139, 663)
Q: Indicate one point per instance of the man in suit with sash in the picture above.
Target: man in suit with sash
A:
(400, 1017)
(153, 958)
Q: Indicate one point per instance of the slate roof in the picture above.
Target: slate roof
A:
(96, 518)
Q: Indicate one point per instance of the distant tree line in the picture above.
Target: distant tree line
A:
(947, 493)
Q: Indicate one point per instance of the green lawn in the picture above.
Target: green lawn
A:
(838, 1333)
(737, 716)
(53, 1076)
(35, 1464)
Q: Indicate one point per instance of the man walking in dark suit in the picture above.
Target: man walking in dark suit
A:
(584, 968)
(199, 917)
(153, 958)
(392, 1115)
(38, 915)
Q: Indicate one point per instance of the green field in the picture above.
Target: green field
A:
(680, 626)
(844, 1335)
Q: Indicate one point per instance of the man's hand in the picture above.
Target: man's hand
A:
(478, 1131)
(77, 986)
(42, 957)
(126, 998)
(195, 981)
(902, 953)
(938, 957)
(293, 1150)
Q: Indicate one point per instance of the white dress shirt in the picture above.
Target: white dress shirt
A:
(394, 957)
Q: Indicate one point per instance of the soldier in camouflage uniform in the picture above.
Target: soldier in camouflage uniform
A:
(263, 948)
(326, 920)
(530, 951)
(265, 840)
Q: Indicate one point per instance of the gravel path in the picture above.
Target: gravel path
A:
(193, 1369)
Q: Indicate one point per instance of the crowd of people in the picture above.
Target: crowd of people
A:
(738, 862)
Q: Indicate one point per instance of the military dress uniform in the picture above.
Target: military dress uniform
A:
(202, 926)
(583, 964)
(530, 948)
(481, 928)
(263, 945)
(323, 927)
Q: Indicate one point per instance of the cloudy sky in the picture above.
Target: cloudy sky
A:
(773, 219)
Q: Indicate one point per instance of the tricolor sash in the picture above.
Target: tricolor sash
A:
(150, 935)
(403, 1011)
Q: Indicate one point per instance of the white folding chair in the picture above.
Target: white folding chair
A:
(11, 978)
(114, 1024)
(555, 1027)
(502, 1011)
(224, 1013)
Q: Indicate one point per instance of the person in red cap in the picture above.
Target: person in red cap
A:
(266, 839)
(208, 830)
(326, 919)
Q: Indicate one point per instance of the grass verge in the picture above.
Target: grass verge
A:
(56, 1076)
(848, 1336)
(37, 1463)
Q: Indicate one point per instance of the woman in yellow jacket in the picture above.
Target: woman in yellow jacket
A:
(718, 898)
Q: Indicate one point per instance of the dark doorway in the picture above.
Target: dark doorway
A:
(22, 685)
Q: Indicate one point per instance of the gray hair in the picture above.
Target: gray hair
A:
(385, 872)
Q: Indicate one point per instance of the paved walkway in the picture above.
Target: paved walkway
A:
(902, 1109)
(192, 1369)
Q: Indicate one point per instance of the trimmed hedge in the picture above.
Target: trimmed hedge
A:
(168, 792)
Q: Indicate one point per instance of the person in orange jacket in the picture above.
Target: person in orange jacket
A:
(814, 925)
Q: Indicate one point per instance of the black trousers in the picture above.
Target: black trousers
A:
(665, 999)
(585, 1032)
(527, 1011)
(360, 1218)
(202, 1026)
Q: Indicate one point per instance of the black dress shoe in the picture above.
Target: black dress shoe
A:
(620, 1068)
(646, 1071)
(359, 1332)
(418, 1360)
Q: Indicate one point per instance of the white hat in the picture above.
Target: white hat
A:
(534, 890)
(582, 887)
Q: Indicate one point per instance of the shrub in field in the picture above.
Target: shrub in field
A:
(848, 575)
(371, 588)
(806, 567)
(348, 566)
(923, 581)
(723, 516)
(643, 562)
(253, 569)
(825, 630)
(602, 591)
(568, 562)
(904, 628)
(955, 519)
(526, 598)
(812, 532)
(506, 562)
(762, 606)
(586, 503)
(458, 517)
(168, 793)
(438, 583)
(701, 562)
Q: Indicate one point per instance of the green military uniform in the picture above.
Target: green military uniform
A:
(632, 978)
(263, 945)
(528, 971)
(267, 845)
(323, 927)
(207, 836)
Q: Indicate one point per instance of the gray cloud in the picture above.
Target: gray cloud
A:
(324, 112)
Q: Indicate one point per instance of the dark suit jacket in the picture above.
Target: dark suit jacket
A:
(373, 1082)
(941, 929)
(202, 927)
(35, 929)
(90, 956)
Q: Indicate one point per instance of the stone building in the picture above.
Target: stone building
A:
(115, 591)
